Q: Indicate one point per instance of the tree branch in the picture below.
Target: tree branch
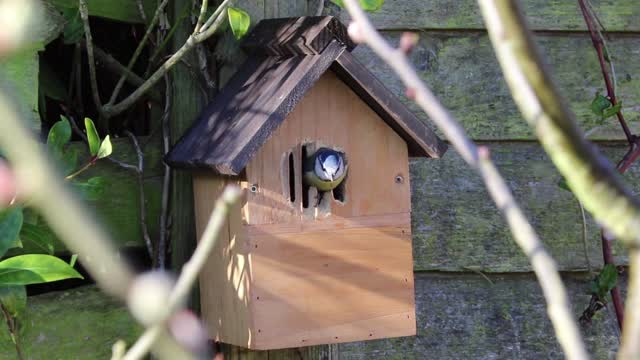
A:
(590, 176)
(558, 306)
(84, 14)
(190, 271)
(138, 51)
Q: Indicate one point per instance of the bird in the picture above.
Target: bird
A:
(325, 169)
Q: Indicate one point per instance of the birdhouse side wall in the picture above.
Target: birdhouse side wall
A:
(225, 281)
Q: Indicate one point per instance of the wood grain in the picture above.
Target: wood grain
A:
(456, 226)
(332, 286)
(332, 115)
(464, 74)
(465, 14)
(469, 317)
(225, 280)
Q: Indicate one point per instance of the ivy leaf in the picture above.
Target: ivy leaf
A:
(59, 135)
(11, 221)
(105, 148)
(74, 28)
(239, 21)
(612, 111)
(366, 5)
(605, 281)
(562, 184)
(599, 104)
(35, 269)
(92, 137)
(13, 299)
(36, 239)
(69, 160)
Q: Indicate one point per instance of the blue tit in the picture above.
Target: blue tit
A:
(325, 169)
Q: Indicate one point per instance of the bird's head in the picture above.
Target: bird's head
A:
(329, 164)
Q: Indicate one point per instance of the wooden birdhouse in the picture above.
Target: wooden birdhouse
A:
(302, 263)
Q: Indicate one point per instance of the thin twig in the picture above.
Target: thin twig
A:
(558, 305)
(616, 297)
(598, 44)
(141, 11)
(219, 18)
(166, 181)
(190, 271)
(203, 12)
(141, 197)
(138, 51)
(585, 248)
(84, 14)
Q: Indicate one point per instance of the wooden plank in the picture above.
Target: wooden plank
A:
(119, 10)
(464, 74)
(80, 323)
(331, 114)
(467, 317)
(456, 226)
(296, 280)
(464, 14)
(226, 278)
(307, 35)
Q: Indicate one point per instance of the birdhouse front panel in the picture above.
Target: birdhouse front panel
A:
(319, 250)
(330, 267)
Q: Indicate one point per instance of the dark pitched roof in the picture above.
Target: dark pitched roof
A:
(287, 57)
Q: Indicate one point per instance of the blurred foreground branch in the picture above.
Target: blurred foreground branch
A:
(591, 177)
(558, 305)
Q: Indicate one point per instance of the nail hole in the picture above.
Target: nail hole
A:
(254, 188)
(399, 179)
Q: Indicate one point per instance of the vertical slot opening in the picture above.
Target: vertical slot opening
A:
(305, 187)
(292, 179)
(339, 191)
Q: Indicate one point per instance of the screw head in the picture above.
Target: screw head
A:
(399, 179)
(253, 188)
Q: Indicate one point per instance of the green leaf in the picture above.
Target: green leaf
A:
(562, 184)
(69, 160)
(612, 111)
(35, 269)
(599, 104)
(14, 299)
(605, 281)
(92, 189)
(105, 148)
(36, 239)
(239, 21)
(74, 28)
(605, 54)
(92, 137)
(11, 221)
(366, 5)
(59, 135)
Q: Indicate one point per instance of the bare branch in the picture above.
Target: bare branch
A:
(558, 305)
(138, 50)
(203, 13)
(141, 197)
(84, 14)
(112, 110)
(190, 271)
(166, 181)
(590, 176)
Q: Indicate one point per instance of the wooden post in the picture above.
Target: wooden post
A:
(187, 101)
